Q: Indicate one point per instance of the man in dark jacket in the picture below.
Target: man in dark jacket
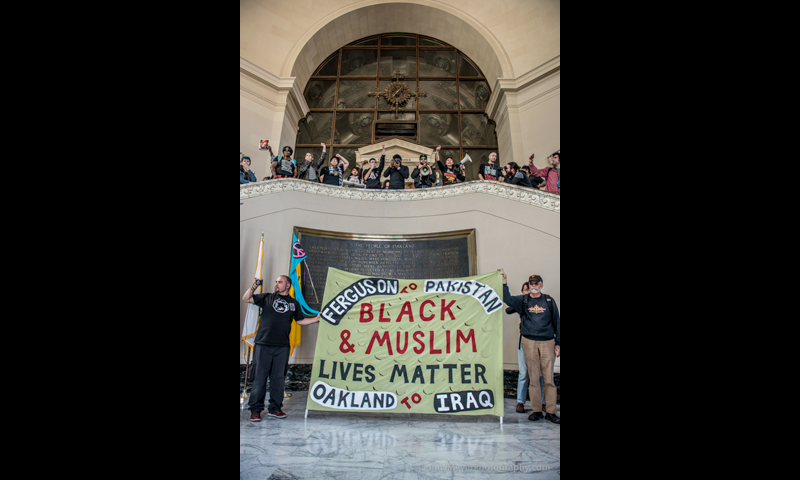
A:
(541, 342)
(420, 180)
(396, 173)
(515, 176)
(310, 170)
(372, 175)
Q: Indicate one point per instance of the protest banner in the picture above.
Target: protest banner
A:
(409, 346)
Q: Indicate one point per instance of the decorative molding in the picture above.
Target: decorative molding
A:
(504, 86)
(537, 198)
(286, 85)
(539, 98)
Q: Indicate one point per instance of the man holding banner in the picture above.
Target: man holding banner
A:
(278, 309)
(541, 342)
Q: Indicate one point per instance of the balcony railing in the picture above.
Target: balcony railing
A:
(538, 198)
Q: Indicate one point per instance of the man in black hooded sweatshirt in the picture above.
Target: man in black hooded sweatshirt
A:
(397, 173)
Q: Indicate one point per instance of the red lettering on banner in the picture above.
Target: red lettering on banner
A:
(446, 308)
(422, 308)
(459, 337)
(397, 345)
(384, 339)
(366, 313)
(421, 344)
(381, 340)
(381, 319)
(432, 350)
(406, 310)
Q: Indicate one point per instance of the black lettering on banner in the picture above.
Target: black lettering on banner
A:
(333, 397)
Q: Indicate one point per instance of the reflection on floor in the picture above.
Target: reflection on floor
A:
(401, 446)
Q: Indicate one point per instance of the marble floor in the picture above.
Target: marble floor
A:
(354, 446)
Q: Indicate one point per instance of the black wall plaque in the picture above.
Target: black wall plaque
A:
(439, 255)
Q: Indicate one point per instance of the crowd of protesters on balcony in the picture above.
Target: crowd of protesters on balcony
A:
(425, 175)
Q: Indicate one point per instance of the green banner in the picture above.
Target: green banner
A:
(409, 346)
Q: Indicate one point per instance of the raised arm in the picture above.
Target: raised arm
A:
(248, 294)
(539, 172)
(513, 302)
(321, 158)
(366, 173)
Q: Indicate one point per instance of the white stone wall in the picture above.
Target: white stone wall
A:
(517, 229)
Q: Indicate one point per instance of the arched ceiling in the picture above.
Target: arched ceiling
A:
(349, 26)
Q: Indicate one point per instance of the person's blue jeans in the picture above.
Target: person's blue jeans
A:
(523, 380)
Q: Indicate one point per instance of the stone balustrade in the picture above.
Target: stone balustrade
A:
(538, 198)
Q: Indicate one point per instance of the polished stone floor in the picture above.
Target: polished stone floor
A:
(354, 446)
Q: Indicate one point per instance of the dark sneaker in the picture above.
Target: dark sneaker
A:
(255, 416)
(535, 416)
(552, 417)
(520, 408)
(277, 414)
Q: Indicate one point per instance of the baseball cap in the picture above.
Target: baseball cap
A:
(535, 279)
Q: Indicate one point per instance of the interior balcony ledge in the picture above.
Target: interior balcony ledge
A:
(534, 197)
